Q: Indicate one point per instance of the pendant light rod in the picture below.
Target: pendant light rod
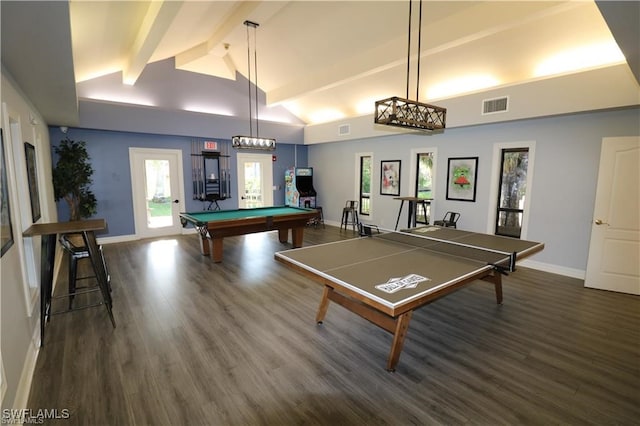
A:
(409, 49)
(419, 52)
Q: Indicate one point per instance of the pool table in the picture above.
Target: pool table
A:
(213, 226)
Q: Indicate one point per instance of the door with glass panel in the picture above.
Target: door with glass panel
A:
(157, 189)
(255, 181)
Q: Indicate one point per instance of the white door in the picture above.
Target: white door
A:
(158, 191)
(614, 252)
(255, 180)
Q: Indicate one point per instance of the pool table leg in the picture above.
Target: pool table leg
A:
(283, 235)
(216, 249)
(204, 245)
(297, 235)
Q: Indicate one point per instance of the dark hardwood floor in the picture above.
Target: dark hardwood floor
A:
(235, 343)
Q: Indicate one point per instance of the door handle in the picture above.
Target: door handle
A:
(176, 201)
(600, 222)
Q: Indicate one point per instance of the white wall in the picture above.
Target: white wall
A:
(561, 199)
(19, 310)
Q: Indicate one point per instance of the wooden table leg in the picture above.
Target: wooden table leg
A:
(324, 305)
(216, 249)
(402, 325)
(496, 279)
(204, 246)
(297, 235)
(283, 235)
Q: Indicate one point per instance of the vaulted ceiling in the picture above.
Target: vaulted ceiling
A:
(316, 60)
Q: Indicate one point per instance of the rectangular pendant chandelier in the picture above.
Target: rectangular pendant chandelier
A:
(405, 113)
(416, 115)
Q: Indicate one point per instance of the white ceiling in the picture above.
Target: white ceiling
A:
(321, 60)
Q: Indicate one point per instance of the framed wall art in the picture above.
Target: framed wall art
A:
(32, 180)
(390, 177)
(6, 229)
(462, 174)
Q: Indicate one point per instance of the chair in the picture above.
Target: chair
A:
(73, 244)
(449, 221)
(350, 208)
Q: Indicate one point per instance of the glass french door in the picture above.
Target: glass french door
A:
(255, 180)
(157, 191)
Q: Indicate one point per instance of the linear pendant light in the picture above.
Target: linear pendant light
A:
(253, 142)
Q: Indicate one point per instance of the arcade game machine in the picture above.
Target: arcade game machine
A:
(299, 190)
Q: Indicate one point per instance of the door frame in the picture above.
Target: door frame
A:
(267, 182)
(140, 217)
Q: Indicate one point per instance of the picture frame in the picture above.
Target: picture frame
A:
(390, 177)
(6, 228)
(32, 180)
(462, 175)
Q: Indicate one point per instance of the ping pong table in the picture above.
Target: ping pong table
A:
(386, 275)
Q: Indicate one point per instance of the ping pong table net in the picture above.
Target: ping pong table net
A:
(502, 261)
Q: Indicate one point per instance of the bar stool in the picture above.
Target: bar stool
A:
(350, 208)
(73, 244)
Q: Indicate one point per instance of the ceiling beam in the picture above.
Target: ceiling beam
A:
(154, 26)
(235, 19)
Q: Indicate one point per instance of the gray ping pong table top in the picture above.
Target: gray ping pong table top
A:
(365, 264)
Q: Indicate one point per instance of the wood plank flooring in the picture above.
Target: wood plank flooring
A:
(235, 343)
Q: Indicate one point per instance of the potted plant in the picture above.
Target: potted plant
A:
(72, 179)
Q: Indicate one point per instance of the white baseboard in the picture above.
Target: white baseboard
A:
(554, 269)
(117, 239)
(28, 368)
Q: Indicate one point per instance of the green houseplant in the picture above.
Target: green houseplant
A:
(72, 179)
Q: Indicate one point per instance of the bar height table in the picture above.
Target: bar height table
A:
(49, 233)
(413, 207)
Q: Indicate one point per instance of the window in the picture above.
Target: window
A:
(365, 185)
(512, 192)
(424, 183)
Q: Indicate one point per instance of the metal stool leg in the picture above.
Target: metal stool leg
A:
(73, 274)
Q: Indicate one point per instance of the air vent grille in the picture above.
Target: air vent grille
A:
(492, 106)
(344, 129)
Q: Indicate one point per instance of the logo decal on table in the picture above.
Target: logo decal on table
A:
(408, 281)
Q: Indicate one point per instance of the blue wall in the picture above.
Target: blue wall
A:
(109, 153)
